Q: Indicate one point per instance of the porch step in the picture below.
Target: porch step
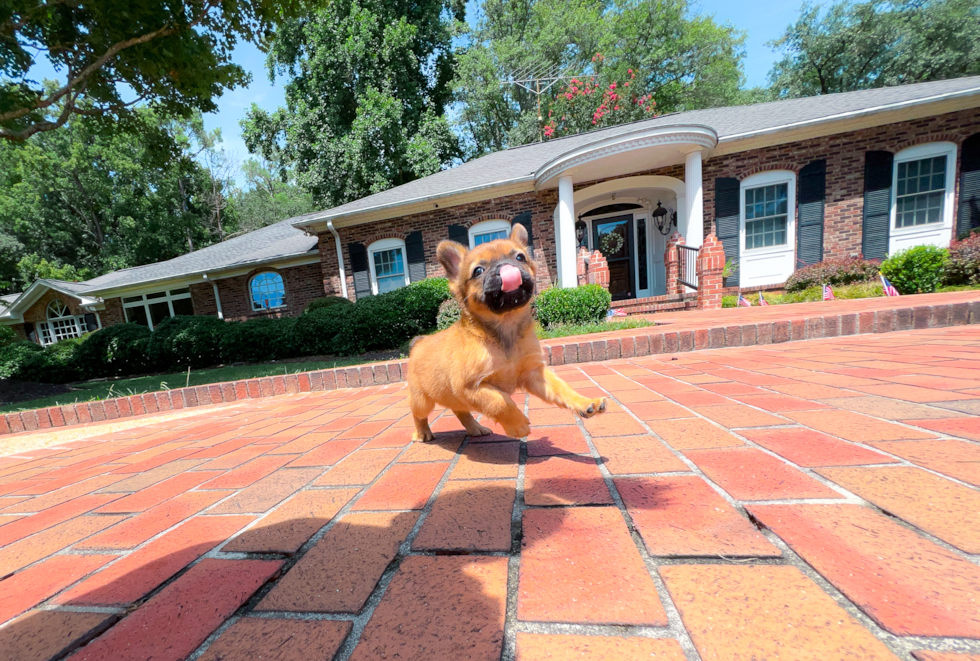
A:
(655, 304)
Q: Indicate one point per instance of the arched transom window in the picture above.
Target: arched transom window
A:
(60, 324)
(268, 291)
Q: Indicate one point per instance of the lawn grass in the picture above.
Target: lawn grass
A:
(844, 292)
(88, 391)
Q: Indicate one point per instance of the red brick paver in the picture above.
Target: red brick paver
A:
(264, 528)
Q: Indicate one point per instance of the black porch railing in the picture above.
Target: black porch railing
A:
(688, 267)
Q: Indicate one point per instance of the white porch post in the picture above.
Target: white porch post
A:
(565, 234)
(694, 198)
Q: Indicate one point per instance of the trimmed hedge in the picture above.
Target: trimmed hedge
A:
(181, 342)
(449, 314)
(833, 272)
(326, 302)
(115, 351)
(260, 340)
(578, 305)
(917, 270)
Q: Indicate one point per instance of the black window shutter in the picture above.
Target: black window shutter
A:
(809, 221)
(29, 331)
(968, 213)
(415, 252)
(877, 204)
(726, 220)
(90, 323)
(525, 220)
(359, 265)
(459, 234)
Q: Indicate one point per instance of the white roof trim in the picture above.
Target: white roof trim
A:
(855, 113)
(30, 295)
(681, 134)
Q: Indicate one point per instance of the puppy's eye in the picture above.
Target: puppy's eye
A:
(478, 271)
(520, 257)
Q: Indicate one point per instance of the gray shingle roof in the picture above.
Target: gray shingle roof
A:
(520, 163)
(277, 241)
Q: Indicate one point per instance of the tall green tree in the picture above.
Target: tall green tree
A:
(97, 200)
(852, 46)
(112, 55)
(368, 84)
(680, 59)
(270, 194)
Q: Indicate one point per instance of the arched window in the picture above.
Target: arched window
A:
(60, 324)
(268, 291)
(488, 230)
(387, 261)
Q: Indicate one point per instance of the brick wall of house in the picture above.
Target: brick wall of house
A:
(844, 152)
(113, 312)
(302, 284)
(435, 228)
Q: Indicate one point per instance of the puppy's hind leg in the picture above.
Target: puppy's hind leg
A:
(421, 406)
(473, 428)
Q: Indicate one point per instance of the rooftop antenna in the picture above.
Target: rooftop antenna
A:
(537, 77)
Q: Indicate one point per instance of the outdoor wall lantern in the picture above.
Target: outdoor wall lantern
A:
(665, 219)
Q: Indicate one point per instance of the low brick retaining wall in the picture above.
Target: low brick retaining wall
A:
(677, 336)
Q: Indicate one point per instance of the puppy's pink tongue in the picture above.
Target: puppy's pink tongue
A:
(510, 277)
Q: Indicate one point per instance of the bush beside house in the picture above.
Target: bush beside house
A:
(578, 305)
(917, 270)
(833, 272)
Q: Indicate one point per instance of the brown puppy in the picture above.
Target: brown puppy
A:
(492, 350)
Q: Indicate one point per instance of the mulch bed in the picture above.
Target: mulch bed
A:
(19, 391)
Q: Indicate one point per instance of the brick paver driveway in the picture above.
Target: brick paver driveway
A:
(816, 500)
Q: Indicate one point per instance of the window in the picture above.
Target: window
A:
(60, 324)
(766, 209)
(268, 291)
(489, 230)
(150, 309)
(920, 188)
(387, 260)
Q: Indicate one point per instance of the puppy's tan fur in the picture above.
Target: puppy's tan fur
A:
(475, 364)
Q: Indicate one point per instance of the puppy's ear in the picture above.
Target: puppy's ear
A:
(518, 234)
(450, 254)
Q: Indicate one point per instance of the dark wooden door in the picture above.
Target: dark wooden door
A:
(613, 237)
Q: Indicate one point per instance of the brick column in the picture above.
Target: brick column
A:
(598, 270)
(711, 262)
(672, 264)
(582, 266)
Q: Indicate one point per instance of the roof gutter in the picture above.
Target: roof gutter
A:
(217, 298)
(340, 259)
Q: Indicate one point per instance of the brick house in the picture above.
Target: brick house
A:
(780, 184)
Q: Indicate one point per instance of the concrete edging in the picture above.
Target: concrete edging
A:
(655, 340)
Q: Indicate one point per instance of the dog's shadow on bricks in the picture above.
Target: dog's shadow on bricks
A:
(436, 578)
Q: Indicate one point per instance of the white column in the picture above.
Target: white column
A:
(694, 197)
(565, 234)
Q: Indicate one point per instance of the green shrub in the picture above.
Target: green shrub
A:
(422, 301)
(7, 336)
(833, 272)
(577, 305)
(317, 329)
(25, 361)
(449, 314)
(327, 302)
(260, 340)
(113, 351)
(916, 270)
(964, 261)
(186, 341)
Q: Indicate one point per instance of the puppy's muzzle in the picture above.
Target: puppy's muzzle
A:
(507, 286)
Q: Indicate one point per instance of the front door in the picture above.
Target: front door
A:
(614, 239)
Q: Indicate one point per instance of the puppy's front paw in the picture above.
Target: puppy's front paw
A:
(479, 430)
(422, 437)
(518, 428)
(592, 407)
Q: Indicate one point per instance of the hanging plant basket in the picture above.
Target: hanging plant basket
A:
(611, 243)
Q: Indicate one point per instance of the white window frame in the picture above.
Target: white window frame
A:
(940, 233)
(486, 227)
(145, 303)
(251, 299)
(47, 335)
(765, 258)
(384, 245)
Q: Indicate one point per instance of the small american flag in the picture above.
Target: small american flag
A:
(743, 302)
(828, 293)
(889, 287)
(616, 312)
(762, 301)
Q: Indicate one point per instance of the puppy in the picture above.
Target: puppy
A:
(492, 350)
